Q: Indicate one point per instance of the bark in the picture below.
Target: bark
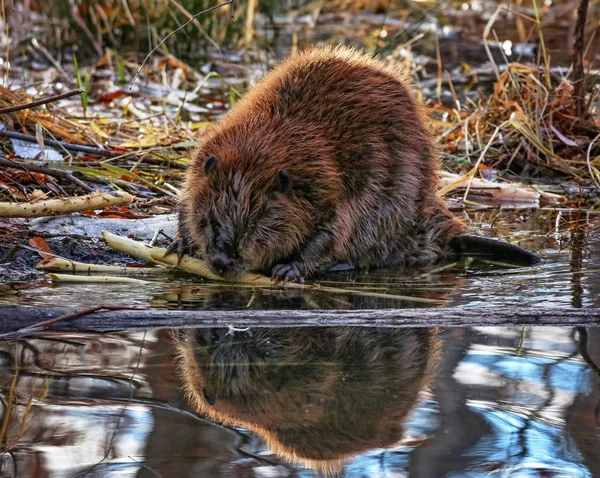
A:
(578, 47)
(14, 318)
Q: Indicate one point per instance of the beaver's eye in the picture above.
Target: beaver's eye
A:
(251, 226)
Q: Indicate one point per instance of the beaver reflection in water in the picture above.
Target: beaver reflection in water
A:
(327, 160)
(314, 395)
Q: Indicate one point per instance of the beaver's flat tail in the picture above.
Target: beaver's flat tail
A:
(493, 249)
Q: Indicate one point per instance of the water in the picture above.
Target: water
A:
(471, 402)
(355, 401)
(569, 276)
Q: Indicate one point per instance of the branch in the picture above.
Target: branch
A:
(43, 101)
(578, 47)
(39, 168)
(77, 148)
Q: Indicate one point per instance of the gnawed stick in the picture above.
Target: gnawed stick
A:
(61, 264)
(199, 267)
(59, 206)
(94, 279)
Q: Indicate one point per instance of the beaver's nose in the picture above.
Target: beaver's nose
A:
(221, 262)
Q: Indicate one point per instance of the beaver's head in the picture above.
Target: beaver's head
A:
(245, 212)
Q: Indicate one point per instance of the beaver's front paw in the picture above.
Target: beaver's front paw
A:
(181, 247)
(287, 273)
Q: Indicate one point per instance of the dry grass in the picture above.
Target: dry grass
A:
(526, 127)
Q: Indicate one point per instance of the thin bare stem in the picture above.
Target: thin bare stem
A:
(77, 148)
(196, 23)
(137, 73)
(578, 47)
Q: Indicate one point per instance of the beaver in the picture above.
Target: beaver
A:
(327, 160)
(315, 395)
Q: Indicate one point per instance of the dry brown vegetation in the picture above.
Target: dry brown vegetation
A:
(526, 128)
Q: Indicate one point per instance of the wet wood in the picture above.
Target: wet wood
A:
(61, 206)
(13, 318)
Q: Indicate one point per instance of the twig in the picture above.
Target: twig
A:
(81, 23)
(137, 73)
(94, 279)
(475, 168)
(578, 47)
(248, 29)
(6, 71)
(78, 148)
(197, 24)
(48, 56)
(57, 173)
(486, 32)
(43, 101)
(60, 264)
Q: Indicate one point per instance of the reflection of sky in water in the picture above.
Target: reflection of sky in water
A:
(525, 447)
(93, 429)
(523, 400)
(563, 375)
(528, 400)
(420, 423)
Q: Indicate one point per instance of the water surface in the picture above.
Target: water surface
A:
(356, 401)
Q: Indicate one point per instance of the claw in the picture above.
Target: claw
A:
(287, 273)
(179, 246)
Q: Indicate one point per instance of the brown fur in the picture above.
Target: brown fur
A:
(314, 395)
(328, 159)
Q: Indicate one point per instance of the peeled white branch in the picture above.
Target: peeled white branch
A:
(128, 246)
(93, 279)
(60, 264)
(54, 207)
(199, 267)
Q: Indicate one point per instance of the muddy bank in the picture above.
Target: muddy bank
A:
(76, 237)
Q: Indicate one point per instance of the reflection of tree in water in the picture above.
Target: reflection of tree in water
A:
(315, 395)
(536, 413)
(65, 397)
(583, 417)
(523, 395)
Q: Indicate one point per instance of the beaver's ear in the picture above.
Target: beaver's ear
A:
(210, 165)
(283, 183)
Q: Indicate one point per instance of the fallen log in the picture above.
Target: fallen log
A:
(15, 318)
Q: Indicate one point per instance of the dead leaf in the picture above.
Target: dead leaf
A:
(40, 244)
